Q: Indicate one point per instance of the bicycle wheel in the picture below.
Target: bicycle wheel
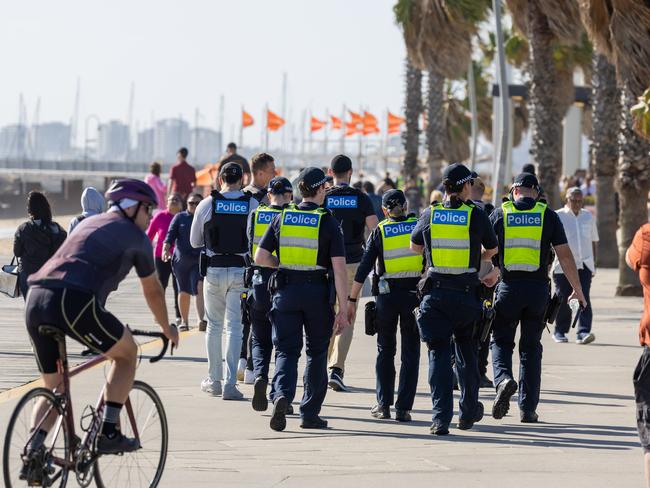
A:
(50, 462)
(144, 467)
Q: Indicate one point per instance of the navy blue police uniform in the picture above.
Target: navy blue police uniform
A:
(522, 296)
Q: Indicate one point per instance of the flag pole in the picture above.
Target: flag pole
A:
(327, 119)
(266, 128)
(360, 155)
(241, 129)
(311, 134)
(302, 137)
(343, 130)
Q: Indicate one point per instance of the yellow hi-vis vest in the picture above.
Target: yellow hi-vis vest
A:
(262, 220)
(299, 238)
(522, 237)
(450, 242)
(399, 260)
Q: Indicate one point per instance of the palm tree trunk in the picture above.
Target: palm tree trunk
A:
(546, 114)
(633, 186)
(412, 111)
(606, 110)
(435, 132)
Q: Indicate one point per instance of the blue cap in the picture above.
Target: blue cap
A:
(280, 185)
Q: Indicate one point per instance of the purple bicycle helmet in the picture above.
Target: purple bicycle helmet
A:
(131, 188)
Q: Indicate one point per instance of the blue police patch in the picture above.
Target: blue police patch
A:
(301, 219)
(449, 217)
(524, 220)
(237, 207)
(398, 229)
(265, 217)
(341, 201)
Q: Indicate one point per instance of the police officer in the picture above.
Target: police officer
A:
(219, 224)
(451, 234)
(354, 211)
(526, 229)
(310, 255)
(280, 194)
(399, 270)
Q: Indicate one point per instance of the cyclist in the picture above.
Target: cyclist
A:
(70, 290)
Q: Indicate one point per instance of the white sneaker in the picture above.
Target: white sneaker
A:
(249, 377)
(241, 367)
(211, 387)
(585, 338)
(230, 392)
(560, 338)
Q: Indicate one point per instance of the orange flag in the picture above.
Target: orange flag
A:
(317, 124)
(369, 124)
(246, 119)
(395, 119)
(351, 129)
(336, 123)
(273, 121)
(355, 118)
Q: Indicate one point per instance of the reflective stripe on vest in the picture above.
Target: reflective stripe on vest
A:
(450, 241)
(299, 239)
(263, 217)
(399, 260)
(522, 237)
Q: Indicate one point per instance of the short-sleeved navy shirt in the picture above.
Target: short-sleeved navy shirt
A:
(178, 235)
(98, 256)
(330, 237)
(552, 235)
(480, 234)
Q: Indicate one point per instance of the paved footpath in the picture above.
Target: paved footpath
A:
(586, 437)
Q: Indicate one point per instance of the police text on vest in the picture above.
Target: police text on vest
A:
(449, 217)
(398, 229)
(231, 207)
(301, 219)
(341, 201)
(524, 220)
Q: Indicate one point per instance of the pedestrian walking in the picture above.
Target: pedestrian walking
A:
(455, 236)
(280, 193)
(526, 229)
(310, 255)
(185, 263)
(638, 258)
(582, 236)
(157, 232)
(182, 176)
(219, 225)
(232, 156)
(398, 270)
(153, 180)
(369, 189)
(36, 240)
(355, 213)
(92, 203)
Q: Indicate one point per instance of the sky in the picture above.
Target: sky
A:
(184, 54)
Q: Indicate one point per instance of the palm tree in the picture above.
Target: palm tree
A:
(606, 110)
(436, 129)
(619, 30)
(546, 23)
(412, 111)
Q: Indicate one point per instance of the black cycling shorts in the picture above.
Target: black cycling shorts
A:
(77, 314)
(641, 381)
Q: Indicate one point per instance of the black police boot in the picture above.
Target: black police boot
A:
(438, 428)
(289, 409)
(528, 417)
(380, 412)
(403, 415)
(501, 405)
(465, 424)
(485, 382)
(336, 380)
(278, 420)
(260, 402)
(315, 423)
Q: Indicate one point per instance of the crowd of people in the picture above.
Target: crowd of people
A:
(270, 262)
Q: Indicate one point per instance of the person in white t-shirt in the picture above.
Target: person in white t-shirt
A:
(582, 234)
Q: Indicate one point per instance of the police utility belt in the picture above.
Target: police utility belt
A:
(430, 282)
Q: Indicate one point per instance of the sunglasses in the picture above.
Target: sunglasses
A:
(148, 209)
(192, 203)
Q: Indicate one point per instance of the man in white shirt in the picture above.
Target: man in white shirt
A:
(582, 234)
(219, 225)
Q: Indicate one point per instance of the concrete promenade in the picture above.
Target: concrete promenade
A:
(586, 437)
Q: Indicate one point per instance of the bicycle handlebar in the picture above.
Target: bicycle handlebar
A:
(158, 335)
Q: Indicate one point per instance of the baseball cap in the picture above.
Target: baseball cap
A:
(392, 198)
(341, 163)
(280, 185)
(527, 180)
(232, 169)
(313, 177)
(458, 174)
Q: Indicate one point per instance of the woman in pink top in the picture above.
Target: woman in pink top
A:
(157, 232)
(154, 181)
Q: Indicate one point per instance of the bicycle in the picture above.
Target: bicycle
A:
(143, 418)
